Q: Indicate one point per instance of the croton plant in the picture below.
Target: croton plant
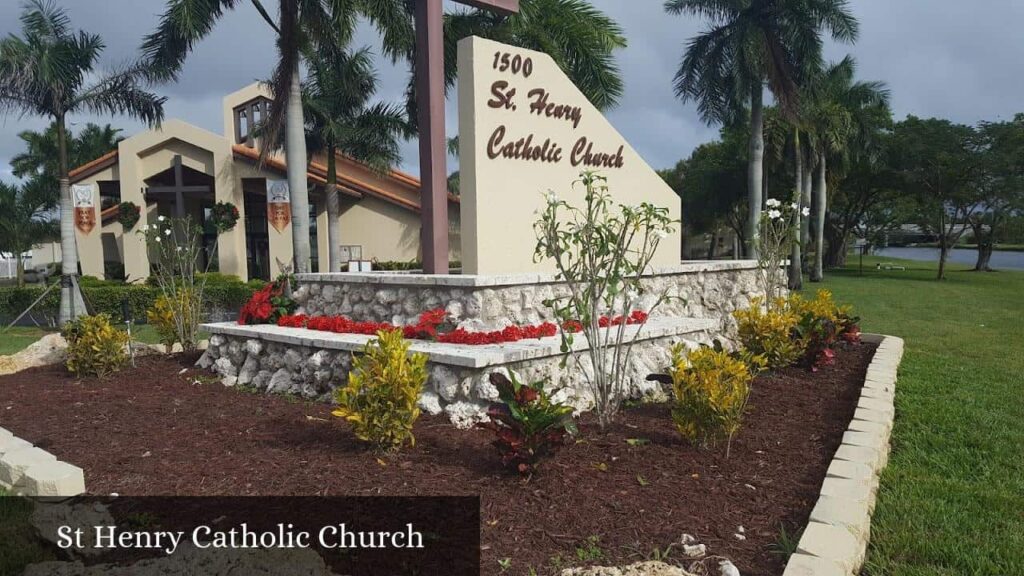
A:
(527, 423)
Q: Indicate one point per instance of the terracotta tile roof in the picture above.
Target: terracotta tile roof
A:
(318, 173)
(90, 168)
(353, 187)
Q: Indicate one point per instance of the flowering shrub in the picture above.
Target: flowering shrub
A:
(95, 347)
(268, 305)
(601, 253)
(430, 323)
(380, 398)
(771, 332)
(776, 234)
(710, 388)
(224, 216)
(527, 424)
(823, 324)
(176, 251)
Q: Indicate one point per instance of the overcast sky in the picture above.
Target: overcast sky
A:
(945, 58)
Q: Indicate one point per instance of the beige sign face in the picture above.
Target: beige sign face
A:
(525, 129)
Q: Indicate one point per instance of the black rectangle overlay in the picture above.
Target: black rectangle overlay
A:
(352, 536)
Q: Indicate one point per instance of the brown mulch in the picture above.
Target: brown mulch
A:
(153, 430)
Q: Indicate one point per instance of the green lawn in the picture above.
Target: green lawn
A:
(18, 337)
(952, 498)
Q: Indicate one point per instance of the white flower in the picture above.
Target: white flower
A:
(167, 232)
(161, 218)
(661, 234)
(551, 197)
(774, 214)
(806, 211)
(773, 203)
(794, 205)
(157, 238)
(178, 248)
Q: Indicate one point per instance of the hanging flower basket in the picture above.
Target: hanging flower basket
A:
(224, 216)
(128, 214)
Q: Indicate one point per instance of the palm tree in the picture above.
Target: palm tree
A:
(843, 117)
(339, 119)
(751, 43)
(39, 160)
(25, 219)
(49, 71)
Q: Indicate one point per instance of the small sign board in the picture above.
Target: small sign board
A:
(279, 209)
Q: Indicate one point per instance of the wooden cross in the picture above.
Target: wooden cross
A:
(178, 189)
(433, 145)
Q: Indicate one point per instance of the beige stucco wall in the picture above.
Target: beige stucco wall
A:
(388, 232)
(151, 152)
(501, 196)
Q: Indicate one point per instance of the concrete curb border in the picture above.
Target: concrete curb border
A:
(30, 471)
(836, 538)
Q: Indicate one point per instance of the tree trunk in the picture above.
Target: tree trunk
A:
(820, 198)
(805, 201)
(796, 279)
(71, 303)
(295, 156)
(943, 253)
(333, 212)
(835, 255)
(20, 269)
(984, 256)
(713, 244)
(755, 170)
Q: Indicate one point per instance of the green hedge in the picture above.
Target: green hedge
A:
(222, 293)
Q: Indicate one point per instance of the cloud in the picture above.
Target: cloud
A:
(939, 57)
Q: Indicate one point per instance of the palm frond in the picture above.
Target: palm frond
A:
(182, 25)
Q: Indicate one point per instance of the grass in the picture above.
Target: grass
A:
(951, 501)
(19, 337)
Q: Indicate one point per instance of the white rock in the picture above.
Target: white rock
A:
(229, 381)
(216, 340)
(205, 361)
(430, 403)
(446, 383)
(14, 463)
(50, 349)
(727, 568)
(280, 382)
(694, 550)
(253, 346)
(224, 367)
(465, 415)
(249, 370)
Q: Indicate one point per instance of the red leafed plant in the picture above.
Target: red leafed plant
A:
(527, 424)
(268, 305)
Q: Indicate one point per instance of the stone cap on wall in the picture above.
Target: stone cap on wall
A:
(462, 355)
(486, 280)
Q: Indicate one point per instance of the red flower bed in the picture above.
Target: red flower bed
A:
(267, 306)
(426, 328)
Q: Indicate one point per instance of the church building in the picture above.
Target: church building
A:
(180, 169)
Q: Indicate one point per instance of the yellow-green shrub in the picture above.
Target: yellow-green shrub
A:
(380, 398)
(710, 389)
(95, 347)
(770, 332)
(161, 317)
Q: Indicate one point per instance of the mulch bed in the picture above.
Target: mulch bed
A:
(152, 430)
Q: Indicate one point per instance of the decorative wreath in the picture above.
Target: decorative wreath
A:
(224, 216)
(128, 214)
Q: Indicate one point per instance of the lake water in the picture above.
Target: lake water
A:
(1000, 260)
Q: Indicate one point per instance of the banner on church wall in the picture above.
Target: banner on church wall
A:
(279, 208)
(84, 200)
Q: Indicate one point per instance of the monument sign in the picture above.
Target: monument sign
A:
(525, 129)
